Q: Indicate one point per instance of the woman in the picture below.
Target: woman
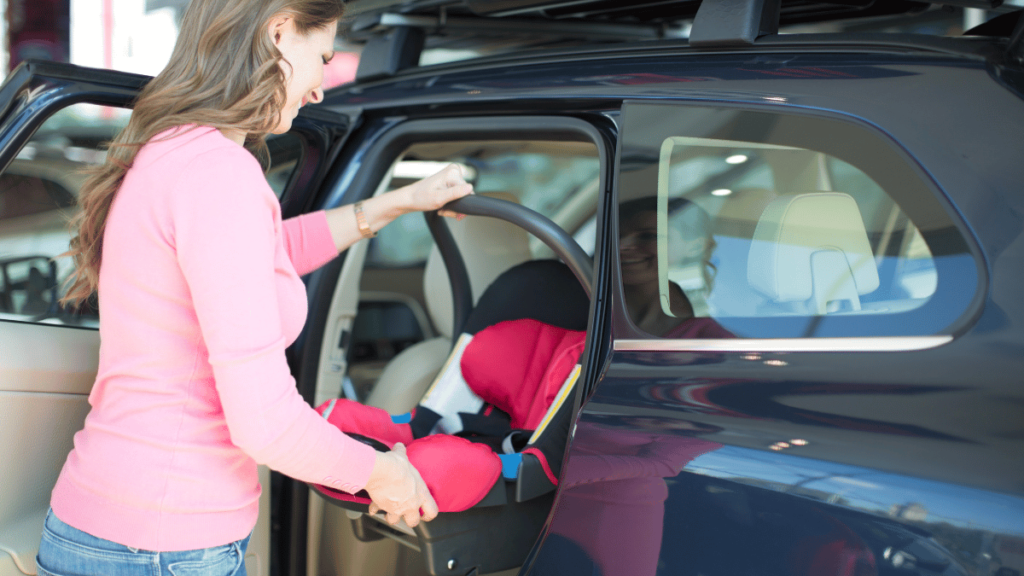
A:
(200, 294)
(649, 309)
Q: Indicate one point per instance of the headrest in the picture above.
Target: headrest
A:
(544, 290)
(739, 214)
(488, 246)
(812, 245)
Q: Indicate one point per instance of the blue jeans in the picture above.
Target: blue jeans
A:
(67, 551)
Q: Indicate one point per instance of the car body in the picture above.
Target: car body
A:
(852, 408)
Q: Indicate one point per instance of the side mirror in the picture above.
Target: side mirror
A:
(28, 286)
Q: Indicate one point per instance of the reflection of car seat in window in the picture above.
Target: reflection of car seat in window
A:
(811, 254)
(690, 244)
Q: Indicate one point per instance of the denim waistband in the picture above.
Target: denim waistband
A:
(64, 548)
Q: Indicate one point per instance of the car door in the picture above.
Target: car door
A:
(767, 409)
(56, 120)
(560, 167)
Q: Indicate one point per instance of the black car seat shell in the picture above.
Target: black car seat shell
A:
(514, 508)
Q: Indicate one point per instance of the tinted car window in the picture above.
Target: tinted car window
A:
(754, 224)
(39, 194)
(285, 152)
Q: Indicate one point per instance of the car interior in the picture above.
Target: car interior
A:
(355, 543)
(403, 271)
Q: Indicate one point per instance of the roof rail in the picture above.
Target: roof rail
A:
(375, 23)
(734, 22)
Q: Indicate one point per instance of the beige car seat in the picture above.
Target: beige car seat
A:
(811, 252)
(488, 247)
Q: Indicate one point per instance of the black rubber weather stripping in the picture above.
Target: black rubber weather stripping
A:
(1015, 48)
(462, 292)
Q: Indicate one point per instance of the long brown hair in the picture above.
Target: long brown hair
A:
(224, 72)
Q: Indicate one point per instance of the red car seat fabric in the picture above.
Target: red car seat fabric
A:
(520, 365)
(459, 473)
(517, 366)
(369, 421)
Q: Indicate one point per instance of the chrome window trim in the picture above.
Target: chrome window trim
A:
(858, 344)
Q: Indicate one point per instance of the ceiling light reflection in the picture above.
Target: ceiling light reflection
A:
(418, 169)
(736, 159)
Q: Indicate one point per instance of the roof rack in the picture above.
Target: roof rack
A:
(396, 31)
(365, 25)
(394, 42)
(734, 22)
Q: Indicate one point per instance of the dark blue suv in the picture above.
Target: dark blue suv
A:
(798, 260)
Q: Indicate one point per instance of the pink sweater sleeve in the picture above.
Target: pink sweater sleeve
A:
(308, 241)
(225, 218)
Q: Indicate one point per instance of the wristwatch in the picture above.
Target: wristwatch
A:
(364, 226)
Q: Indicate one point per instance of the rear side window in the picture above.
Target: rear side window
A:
(736, 223)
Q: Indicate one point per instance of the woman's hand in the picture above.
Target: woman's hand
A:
(430, 193)
(433, 192)
(395, 486)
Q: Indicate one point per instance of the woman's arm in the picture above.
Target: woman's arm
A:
(308, 241)
(430, 193)
(225, 244)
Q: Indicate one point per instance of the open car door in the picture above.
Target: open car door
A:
(55, 121)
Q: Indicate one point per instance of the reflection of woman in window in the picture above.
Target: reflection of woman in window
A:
(611, 514)
(638, 253)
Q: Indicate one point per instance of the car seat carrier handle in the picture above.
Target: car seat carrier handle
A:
(551, 234)
(458, 278)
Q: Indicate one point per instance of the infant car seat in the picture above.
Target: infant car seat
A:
(488, 247)
(489, 435)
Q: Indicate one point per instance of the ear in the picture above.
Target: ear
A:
(277, 26)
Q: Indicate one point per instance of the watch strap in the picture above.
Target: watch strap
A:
(361, 223)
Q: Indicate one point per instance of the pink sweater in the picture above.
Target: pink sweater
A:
(199, 295)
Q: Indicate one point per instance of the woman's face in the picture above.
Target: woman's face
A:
(638, 248)
(305, 56)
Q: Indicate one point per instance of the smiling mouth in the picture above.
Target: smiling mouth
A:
(635, 261)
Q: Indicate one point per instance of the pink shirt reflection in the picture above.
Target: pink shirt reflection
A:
(698, 328)
(624, 471)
